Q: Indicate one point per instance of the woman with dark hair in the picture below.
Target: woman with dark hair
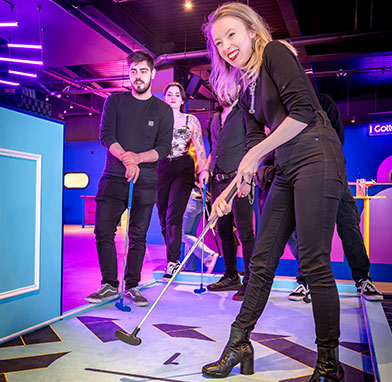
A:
(176, 174)
(306, 188)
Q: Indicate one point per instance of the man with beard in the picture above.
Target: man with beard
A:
(228, 142)
(136, 128)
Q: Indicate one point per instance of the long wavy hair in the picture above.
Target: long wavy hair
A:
(223, 74)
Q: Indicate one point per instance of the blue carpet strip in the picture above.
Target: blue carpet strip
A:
(304, 355)
(134, 375)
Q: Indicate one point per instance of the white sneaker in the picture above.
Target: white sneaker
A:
(369, 291)
(298, 293)
(170, 270)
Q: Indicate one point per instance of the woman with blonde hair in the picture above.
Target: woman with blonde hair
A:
(307, 186)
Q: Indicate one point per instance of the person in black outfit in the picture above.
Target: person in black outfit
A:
(227, 135)
(347, 224)
(308, 182)
(176, 175)
(136, 128)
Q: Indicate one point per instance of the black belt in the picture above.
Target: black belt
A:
(219, 177)
(175, 158)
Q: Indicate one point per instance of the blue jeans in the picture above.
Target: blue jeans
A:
(191, 221)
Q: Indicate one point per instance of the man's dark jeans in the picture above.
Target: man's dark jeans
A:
(112, 201)
(347, 224)
(242, 215)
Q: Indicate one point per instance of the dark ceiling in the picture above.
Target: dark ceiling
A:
(345, 45)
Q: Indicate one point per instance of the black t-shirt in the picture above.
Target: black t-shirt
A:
(137, 126)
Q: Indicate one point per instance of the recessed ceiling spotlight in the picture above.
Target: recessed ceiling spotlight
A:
(188, 4)
(341, 73)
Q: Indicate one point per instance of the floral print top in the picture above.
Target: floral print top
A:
(182, 139)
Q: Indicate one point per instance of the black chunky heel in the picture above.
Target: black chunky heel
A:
(247, 362)
(328, 367)
(237, 350)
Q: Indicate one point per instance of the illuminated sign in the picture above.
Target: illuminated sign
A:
(384, 128)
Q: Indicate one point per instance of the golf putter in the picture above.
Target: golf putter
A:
(132, 339)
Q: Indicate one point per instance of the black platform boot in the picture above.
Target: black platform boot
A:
(328, 368)
(238, 350)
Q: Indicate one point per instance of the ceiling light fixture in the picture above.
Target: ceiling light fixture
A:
(12, 24)
(341, 73)
(21, 61)
(9, 83)
(22, 73)
(188, 4)
(27, 46)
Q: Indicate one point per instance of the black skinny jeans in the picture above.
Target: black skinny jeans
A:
(305, 194)
(242, 215)
(112, 201)
(175, 182)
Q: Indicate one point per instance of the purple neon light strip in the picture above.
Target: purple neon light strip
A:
(27, 46)
(21, 61)
(9, 83)
(10, 24)
(22, 73)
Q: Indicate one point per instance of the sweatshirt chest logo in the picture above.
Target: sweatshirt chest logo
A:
(151, 123)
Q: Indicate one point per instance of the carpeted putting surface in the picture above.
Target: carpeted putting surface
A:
(184, 332)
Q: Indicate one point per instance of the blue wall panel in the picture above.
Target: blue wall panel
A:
(17, 209)
(28, 133)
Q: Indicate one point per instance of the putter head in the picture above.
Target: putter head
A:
(200, 290)
(120, 305)
(127, 338)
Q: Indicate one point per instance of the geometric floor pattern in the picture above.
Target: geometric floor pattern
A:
(185, 331)
(387, 306)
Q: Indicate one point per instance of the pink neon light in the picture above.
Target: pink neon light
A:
(21, 61)
(11, 24)
(9, 83)
(22, 73)
(27, 46)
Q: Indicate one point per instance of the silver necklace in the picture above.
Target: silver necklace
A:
(252, 88)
